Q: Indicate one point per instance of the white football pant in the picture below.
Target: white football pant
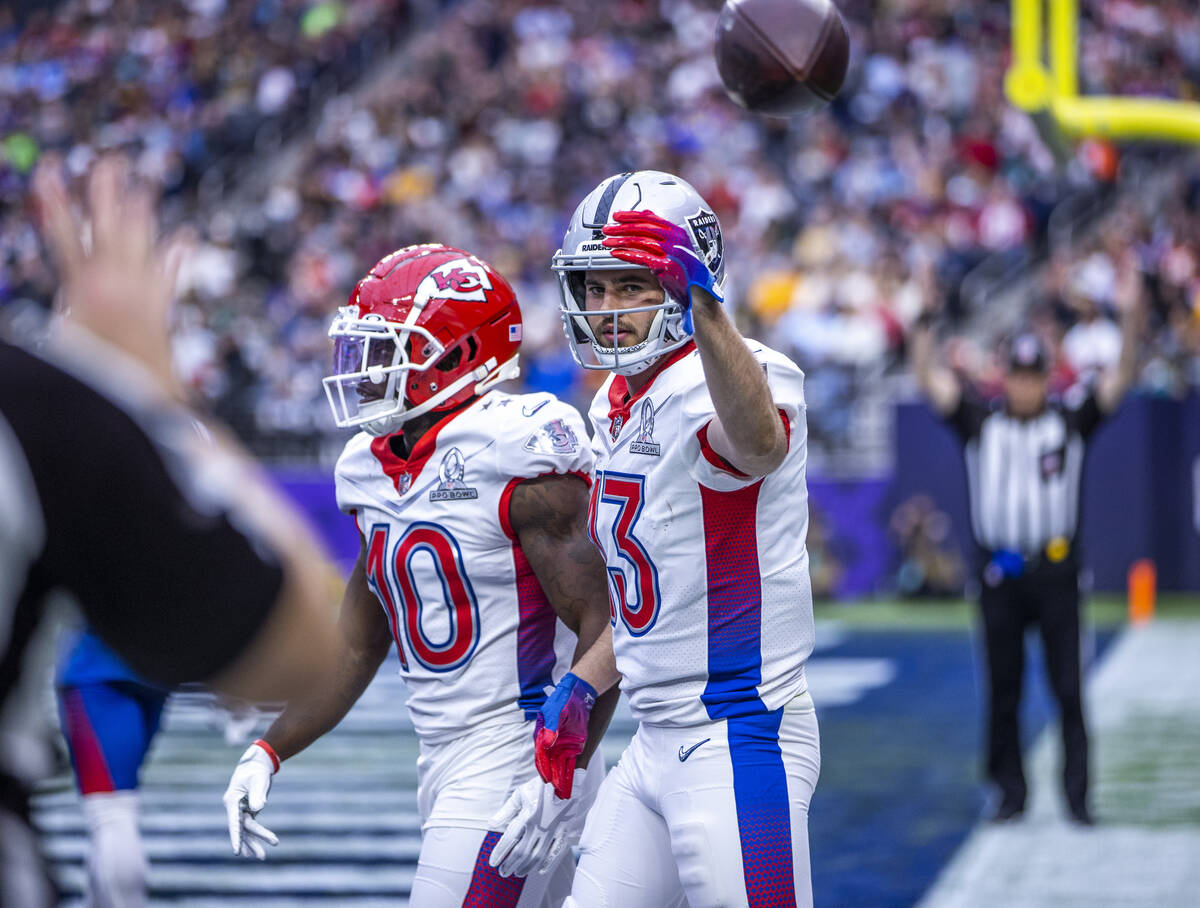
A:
(462, 784)
(705, 816)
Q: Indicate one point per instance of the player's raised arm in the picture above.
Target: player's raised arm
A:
(746, 430)
(362, 640)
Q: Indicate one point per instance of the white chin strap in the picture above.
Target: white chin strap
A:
(660, 340)
(633, 368)
(383, 425)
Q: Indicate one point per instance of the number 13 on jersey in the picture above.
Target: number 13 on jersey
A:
(618, 497)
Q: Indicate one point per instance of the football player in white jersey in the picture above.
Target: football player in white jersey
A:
(475, 563)
(700, 507)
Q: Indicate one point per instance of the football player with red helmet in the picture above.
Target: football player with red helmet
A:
(475, 563)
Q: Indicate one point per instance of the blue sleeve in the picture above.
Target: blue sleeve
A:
(86, 659)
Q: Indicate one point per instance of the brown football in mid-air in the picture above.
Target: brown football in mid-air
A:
(781, 57)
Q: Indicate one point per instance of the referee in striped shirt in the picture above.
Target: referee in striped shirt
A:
(1024, 455)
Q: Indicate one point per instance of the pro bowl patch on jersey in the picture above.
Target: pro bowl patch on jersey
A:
(706, 234)
(452, 484)
(555, 437)
(459, 279)
(644, 443)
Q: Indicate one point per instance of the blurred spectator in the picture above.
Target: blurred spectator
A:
(824, 567)
(1093, 343)
(930, 563)
(490, 122)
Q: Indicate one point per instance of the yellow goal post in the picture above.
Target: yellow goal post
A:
(1052, 87)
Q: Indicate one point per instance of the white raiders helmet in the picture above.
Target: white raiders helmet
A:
(670, 198)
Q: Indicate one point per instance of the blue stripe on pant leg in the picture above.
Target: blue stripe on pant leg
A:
(764, 813)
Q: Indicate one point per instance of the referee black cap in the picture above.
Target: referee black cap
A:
(1027, 353)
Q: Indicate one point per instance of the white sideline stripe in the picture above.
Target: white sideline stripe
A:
(1044, 862)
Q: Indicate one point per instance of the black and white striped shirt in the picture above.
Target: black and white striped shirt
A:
(1024, 475)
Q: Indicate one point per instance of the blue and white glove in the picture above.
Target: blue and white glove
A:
(246, 796)
(537, 826)
(643, 238)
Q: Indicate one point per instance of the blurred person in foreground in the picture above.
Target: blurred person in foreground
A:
(701, 509)
(1024, 454)
(180, 555)
(475, 563)
(109, 716)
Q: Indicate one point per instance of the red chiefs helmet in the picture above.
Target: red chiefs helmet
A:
(428, 328)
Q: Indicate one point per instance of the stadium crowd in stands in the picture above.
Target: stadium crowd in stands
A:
(488, 126)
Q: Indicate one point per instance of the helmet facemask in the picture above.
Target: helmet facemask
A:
(427, 329)
(583, 333)
(583, 250)
(372, 359)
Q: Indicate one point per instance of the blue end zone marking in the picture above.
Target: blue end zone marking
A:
(901, 768)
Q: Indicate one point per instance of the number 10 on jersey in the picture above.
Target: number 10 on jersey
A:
(458, 604)
(619, 497)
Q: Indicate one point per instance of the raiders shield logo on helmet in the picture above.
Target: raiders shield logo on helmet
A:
(706, 235)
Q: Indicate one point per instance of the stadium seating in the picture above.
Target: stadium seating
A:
(486, 131)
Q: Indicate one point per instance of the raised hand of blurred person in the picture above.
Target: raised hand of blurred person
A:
(937, 381)
(118, 280)
(1129, 292)
(117, 284)
(1130, 299)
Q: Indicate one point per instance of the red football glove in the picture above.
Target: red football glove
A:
(643, 238)
(561, 732)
